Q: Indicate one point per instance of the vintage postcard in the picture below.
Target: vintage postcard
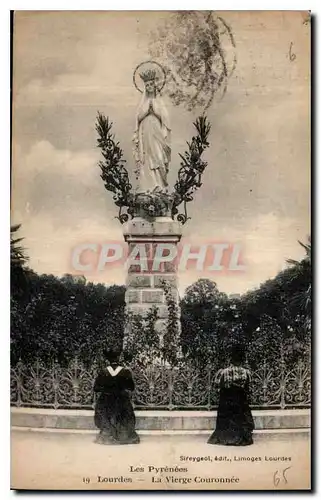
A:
(161, 250)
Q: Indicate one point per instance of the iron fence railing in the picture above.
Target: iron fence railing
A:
(157, 386)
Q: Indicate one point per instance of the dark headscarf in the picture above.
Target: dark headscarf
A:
(238, 355)
(112, 356)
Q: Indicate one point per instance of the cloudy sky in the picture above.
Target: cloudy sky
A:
(256, 189)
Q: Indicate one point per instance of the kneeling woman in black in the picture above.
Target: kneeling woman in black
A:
(234, 425)
(114, 413)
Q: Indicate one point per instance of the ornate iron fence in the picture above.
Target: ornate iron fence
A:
(157, 387)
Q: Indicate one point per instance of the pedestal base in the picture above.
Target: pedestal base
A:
(152, 263)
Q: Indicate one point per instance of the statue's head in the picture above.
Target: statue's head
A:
(149, 79)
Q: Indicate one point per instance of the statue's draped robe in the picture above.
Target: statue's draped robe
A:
(153, 144)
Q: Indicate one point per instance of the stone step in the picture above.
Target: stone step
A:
(193, 421)
(91, 432)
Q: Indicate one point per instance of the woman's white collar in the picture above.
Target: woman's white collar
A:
(113, 372)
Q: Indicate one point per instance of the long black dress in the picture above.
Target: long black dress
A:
(114, 414)
(234, 424)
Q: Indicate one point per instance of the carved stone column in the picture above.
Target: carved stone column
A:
(154, 243)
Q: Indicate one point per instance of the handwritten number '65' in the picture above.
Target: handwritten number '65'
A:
(277, 478)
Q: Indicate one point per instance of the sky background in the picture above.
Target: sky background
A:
(256, 188)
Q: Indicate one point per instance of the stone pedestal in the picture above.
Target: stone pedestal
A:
(154, 244)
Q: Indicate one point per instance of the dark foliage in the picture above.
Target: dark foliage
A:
(18, 261)
(65, 318)
(113, 171)
(192, 168)
(277, 314)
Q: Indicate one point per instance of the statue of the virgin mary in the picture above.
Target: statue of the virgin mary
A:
(152, 138)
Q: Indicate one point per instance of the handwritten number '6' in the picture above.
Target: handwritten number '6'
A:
(292, 56)
(276, 477)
